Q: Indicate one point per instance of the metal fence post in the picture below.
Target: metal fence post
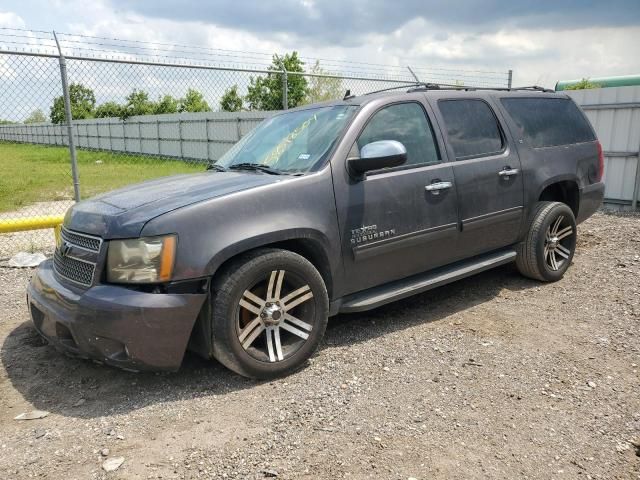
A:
(67, 111)
(413, 74)
(509, 78)
(180, 136)
(158, 136)
(636, 187)
(285, 90)
(206, 134)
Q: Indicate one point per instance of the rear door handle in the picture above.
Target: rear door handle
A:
(507, 172)
(435, 188)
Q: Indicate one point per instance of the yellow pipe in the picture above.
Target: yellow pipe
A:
(31, 223)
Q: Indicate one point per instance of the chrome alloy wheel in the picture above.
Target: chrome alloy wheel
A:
(274, 316)
(558, 243)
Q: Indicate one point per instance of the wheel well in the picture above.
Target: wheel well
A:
(565, 192)
(200, 340)
(306, 248)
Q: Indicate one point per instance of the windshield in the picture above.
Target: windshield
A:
(294, 142)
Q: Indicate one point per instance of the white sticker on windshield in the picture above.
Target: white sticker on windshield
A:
(304, 156)
(339, 116)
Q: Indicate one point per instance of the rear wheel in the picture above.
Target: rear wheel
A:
(548, 248)
(270, 310)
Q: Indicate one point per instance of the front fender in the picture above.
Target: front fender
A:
(320, 241)
(211, 232)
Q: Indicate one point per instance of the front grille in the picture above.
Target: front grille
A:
(74, 270)
(81, 240)
(76, 258)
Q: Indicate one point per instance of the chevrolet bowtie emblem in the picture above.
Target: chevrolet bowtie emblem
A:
(65, 248)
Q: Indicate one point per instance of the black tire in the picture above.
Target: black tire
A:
(547, 259)
(234, 311)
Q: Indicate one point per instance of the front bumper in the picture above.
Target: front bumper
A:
(115, 325)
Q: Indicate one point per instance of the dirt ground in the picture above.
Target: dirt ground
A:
(495, 376)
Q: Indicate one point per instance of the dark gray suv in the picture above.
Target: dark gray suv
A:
(336, 207)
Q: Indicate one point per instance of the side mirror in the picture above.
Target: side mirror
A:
(377, 155)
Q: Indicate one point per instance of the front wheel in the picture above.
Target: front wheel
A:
(547, 251)
(270, 310)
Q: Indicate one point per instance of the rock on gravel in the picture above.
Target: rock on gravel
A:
(32, 415)
(112, 464)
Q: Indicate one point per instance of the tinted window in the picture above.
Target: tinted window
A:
(472, 128)
(547, 122)
(408, 124)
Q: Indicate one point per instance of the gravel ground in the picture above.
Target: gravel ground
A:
(495, 376)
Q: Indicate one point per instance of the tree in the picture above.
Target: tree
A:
(193, 101)
(109, 110)
(37, 116)
(231, 101)
(265, 93)
(584, 84)
(6, 122)
(166, 104)
(321, 89)
(138, 103)
(82, 101)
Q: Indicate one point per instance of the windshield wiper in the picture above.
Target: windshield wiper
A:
(217, 168)
(256, 166)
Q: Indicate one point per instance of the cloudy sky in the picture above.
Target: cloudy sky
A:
(542, 41)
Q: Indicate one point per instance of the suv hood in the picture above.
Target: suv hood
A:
(122, 213)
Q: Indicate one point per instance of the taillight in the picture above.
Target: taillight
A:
(600, 162)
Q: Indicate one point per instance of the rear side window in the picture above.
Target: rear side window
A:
(408, 124)
(472, 128)
(548, 122)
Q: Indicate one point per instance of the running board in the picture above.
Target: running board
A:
(378, 296)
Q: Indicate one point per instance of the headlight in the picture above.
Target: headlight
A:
(141, 260)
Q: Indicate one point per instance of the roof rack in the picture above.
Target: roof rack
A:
(421, 86)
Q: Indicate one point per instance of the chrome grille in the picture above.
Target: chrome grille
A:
(76, 258)
(74, 270)
(81, 240)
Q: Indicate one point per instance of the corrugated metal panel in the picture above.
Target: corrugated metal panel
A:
(194, 136)
(619, 176)
(615, 116)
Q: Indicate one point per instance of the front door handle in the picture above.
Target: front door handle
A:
(508, 172)
(435, 187)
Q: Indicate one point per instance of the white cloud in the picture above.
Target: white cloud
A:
(537, 55)
(11, 20)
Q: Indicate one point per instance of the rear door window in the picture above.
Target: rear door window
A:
(548, 122)
(472, 128)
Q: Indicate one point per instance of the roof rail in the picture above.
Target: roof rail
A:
(535, 88)
(422, 86)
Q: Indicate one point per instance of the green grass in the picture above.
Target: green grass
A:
(35, 173)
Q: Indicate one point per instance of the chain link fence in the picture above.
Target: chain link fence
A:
(140, 111)
(35, 181)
